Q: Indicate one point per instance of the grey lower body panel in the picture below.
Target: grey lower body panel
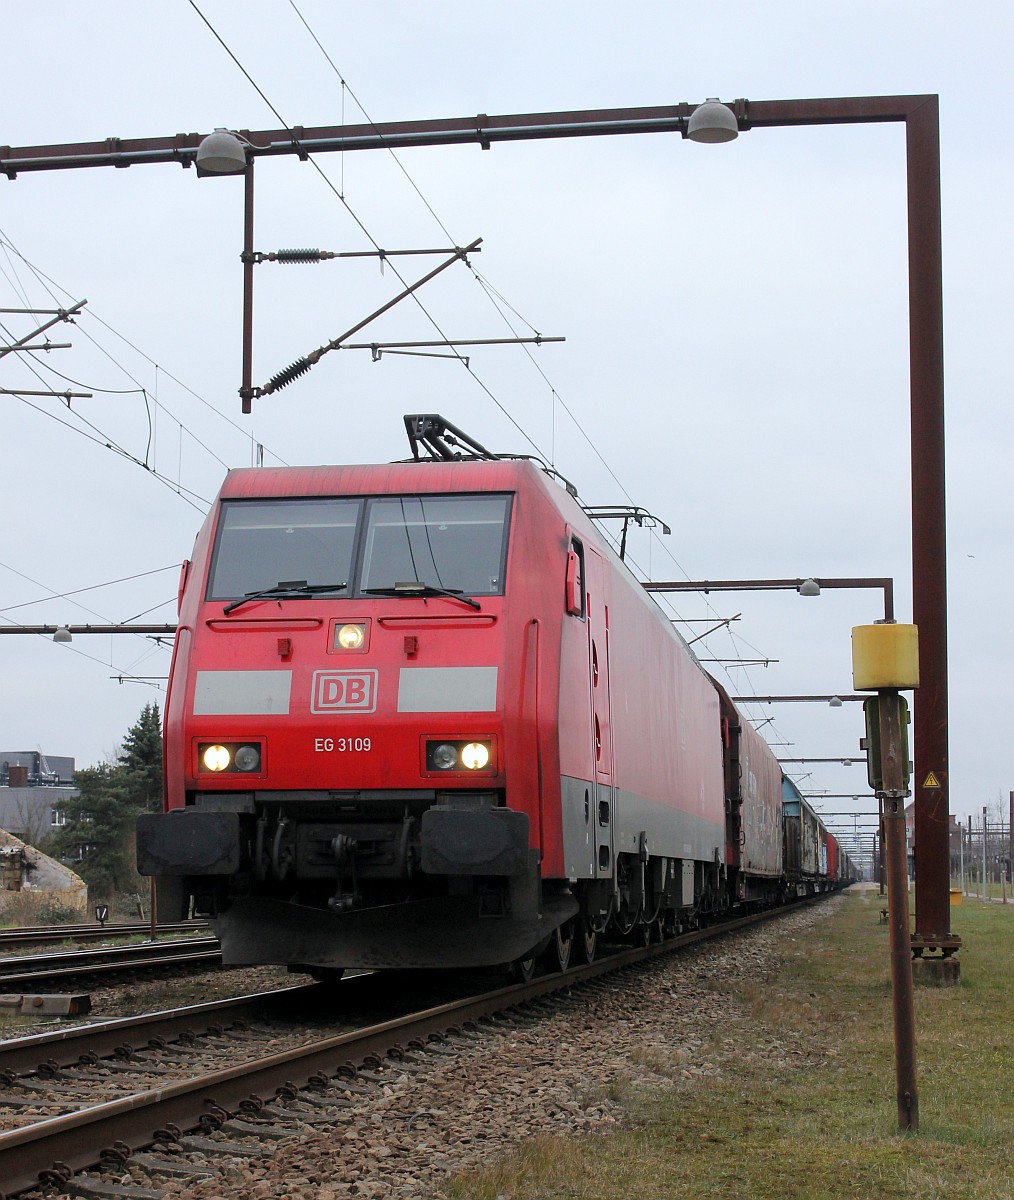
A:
(669, 831)
(446, 931)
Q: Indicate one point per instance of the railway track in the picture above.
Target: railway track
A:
(46, 934)
(162, 1096)
(39, 971)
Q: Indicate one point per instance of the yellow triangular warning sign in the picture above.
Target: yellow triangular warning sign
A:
(931, 781)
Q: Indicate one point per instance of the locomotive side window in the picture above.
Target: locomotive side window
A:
(446, 541)
(263, 542)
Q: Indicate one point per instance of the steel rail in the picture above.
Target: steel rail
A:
(109, 953)
(109, 961)
(66, 1047)
(27, 935)
(30, 981)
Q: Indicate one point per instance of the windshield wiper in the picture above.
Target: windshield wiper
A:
(290, 587)
(414, 587)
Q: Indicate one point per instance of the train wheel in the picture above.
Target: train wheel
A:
(587, 941)
(523, 969)
(557, 954)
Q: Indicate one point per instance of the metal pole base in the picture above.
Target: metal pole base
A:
(936, 972)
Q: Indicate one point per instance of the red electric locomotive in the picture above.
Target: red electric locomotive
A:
(420, 714)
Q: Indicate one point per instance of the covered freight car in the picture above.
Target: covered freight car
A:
(753, 791)
(801, 827)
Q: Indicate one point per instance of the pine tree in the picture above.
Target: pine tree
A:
(98, 838)
(99, 825)
(141, 761)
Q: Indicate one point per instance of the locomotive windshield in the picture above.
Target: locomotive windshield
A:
(455, 542)
(263, 542)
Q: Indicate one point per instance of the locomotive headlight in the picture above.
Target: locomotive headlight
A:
(216, 758)
(231, 758)
(248, 758)
(444, 757)
(350, 637)
(475, 756)
(460, 755)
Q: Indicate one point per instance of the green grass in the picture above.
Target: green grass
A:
(804, 1106)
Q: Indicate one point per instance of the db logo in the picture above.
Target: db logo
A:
(344, 691)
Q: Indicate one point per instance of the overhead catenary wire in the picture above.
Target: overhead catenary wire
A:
(500, 303)
(144, 612)
(346, 88)
(366, 233)
(119, 450)
(490, 293)
(72, 648)
(15, 283)
(57, 595)
(51, 287)
(54, 595)
(93, 587)
(92, 387)
(68, 395)
(488, 290)
(484, 284)
(487, 287)
(34, 363)
(299, 367)
(99, 437)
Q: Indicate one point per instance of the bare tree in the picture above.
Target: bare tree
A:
(32, 818)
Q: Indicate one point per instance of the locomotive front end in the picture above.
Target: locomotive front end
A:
(336, 744)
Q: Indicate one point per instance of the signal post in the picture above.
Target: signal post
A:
(885, 658)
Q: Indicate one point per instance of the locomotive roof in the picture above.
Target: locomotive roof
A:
(478, 475)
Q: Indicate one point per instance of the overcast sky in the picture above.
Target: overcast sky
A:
(736, 357)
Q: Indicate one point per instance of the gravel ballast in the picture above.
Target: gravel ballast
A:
(560, 1068)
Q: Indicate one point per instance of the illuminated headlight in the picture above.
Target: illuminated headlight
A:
(444, 757)
(230, 758)
(475, 756)
(459, 755)
(216, 758)
(350, 637)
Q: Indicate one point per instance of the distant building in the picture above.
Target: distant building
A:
(43, 770)
(34, 788)
(31, 813)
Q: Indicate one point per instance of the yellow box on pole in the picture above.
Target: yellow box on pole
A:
(885, 656)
